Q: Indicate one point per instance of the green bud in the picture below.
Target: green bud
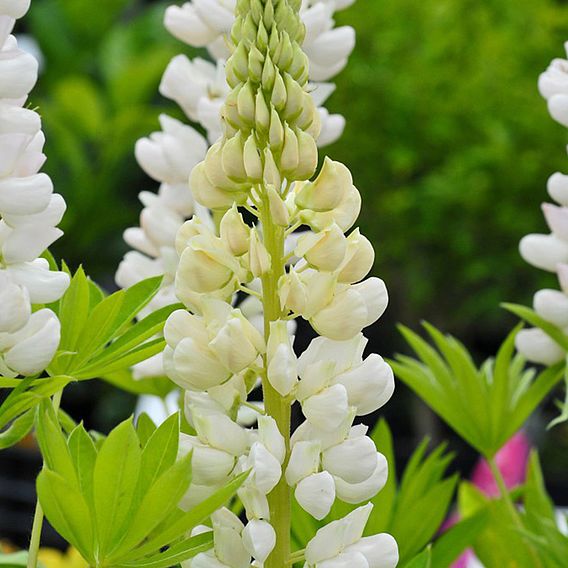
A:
(278, 210)
(279, 94)
(234, 231)
(256, 11)
(268, 74)
(276, 132)
(262, 37)
(238, 63)
(207, 194)
(294, 99)
(274, 40)
(268, 14)
(259, 258)
(249, 30)
(308, 115)
(284, 54)
(215, 171)
(232, 158)
(271, 174)
(252, 161)
(300, 63)
(308, 151)
(245, 103)
(262, 114)
(236, 30)
(256, 64)
(290, 158)
(230, 110)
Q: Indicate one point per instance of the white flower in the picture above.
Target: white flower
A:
(316, 494)
(30, 349)
(204, 352)
(259, 539)
(282, 362)
(341, 544)
(18, 71)
(554, 81)
(170, 155)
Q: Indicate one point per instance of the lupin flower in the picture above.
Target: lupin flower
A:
(29, 215)
(341, 544)
(550, 251)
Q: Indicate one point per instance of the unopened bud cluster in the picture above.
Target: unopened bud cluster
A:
(263, 164)
(550, 251)
(29, 215)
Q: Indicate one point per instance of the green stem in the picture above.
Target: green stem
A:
(38, 515)
(279, 500)
(513, 511)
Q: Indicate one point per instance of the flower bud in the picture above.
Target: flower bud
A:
(351, 310)
(308, 153)
(290, 157)
(259, 259)
(259, 539)
(237, 65)
(271, 438)
(208, 194)
(271, 173)
(235, 232)
(284, 52)
(232, 158)
(316, 494)
(245, 104)
(294, 98)
(279, 96)
(292, 293)
(324, 251)
(268, 74)
(328, 189)
(262, 113)
(252, 161)
(282, 362)
(359, 258)
(214, 168)
(276, 132)
(278, 210)
(255, 63)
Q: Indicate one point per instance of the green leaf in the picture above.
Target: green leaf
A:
(67, 511)
(563, 417)
(8, 383)
(158, 386)
(137, 355)
(115, 477)
(159, 453)
(456, 540)
(53, 445)
(84, 455)
(384, 500)
(530, 316)
(158, 502)
(145, 427)
(19, 429)
(536, 500)
(178, 553)
(423, 560)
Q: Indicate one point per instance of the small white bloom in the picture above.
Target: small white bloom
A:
(316, 494)
(343, 540)
(18, 71)
(304, 461)
(538, 347)
(259, 539)
(544, 251)
(558, 188)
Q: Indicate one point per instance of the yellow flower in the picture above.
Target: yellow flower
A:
(51, 558)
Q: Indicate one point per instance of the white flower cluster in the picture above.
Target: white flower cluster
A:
(29, 215)
(200, 88)
(550, 251)
(168, 156)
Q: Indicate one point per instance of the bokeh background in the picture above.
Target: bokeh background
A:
(448, 139)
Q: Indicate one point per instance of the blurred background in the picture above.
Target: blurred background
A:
(447, 137)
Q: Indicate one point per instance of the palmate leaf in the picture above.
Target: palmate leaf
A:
(486, 406)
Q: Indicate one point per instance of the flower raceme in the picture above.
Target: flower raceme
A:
(29, 215)
(263, 164)
(550, 252)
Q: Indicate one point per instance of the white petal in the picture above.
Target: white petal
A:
(328, 409)
(259, 539)
(557, 219)
(316, 494)
(347, 559)
(544, 251)
(266, 470)
(304, 461)
(25, 243)
(358, 492)
(15, 309)
(14, 8)
(334, 537)
(380, 550)
(271, 438)
(552, 305)
(558, 188)
(44, 285)
(354, 460)
(25, 196)
(558, 108)
(211, 466)
(18, 73)
(186, 25)
(536, 346)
